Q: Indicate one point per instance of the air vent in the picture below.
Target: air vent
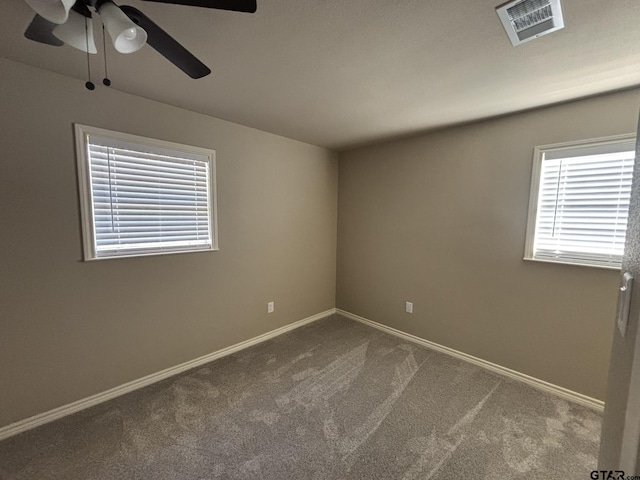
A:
(526, 20)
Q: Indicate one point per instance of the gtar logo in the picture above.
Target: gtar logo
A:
(607, 475)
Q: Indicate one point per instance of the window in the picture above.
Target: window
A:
(579, 202)
(140, 196)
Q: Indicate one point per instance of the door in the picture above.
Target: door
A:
(621, 424)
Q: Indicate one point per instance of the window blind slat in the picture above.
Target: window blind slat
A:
(123, 184)
(115, 174)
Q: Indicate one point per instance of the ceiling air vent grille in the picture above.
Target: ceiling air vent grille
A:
(525, 20)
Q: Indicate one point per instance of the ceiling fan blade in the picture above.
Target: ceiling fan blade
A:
(166, 45)
(248, 6)
(41, 30)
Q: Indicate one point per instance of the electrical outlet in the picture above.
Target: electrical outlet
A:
(271, 306)
(408, 307)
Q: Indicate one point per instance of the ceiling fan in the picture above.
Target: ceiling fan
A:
(69, 21)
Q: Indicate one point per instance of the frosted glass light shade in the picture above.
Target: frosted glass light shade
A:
(76, 31)
(127, 36)
(56, 11)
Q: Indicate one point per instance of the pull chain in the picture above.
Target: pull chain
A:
(105, 81)
(89, 84)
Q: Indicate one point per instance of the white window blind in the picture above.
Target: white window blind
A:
(146, 199)
(582, 203)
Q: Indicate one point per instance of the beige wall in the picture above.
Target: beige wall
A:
(70, 329)
(439, 219)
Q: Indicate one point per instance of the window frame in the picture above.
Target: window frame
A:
(536, 172)
(82, 135)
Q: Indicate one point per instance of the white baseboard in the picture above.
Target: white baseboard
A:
(63, 411)
(562, 392)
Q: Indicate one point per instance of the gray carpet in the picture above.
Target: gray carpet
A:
(331, 400)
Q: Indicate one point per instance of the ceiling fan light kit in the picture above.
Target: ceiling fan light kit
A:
(69, 21)
(56, 11)
(127, 36)
(77, 32)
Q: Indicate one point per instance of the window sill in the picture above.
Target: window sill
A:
(575, 264)
(149, 254)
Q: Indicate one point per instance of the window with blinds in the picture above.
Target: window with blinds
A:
(579, 202)
(144, 197)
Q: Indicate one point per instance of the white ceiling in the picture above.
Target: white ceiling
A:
(339, 73)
